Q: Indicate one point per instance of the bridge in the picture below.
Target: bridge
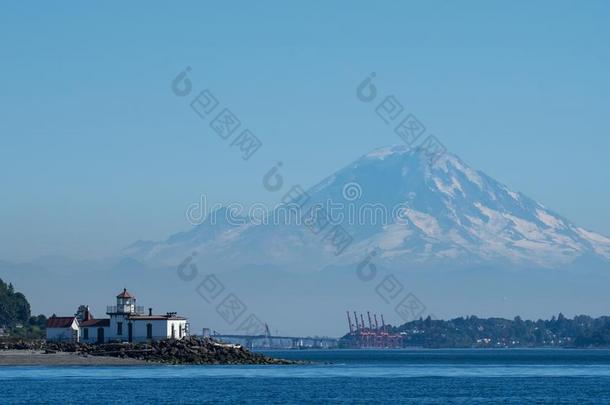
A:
(267, 341)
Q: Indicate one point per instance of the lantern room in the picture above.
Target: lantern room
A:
(125, 302)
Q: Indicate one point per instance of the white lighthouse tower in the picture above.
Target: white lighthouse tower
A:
(121, 327)
(125, 303)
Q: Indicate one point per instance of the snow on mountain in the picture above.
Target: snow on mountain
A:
(411, 212)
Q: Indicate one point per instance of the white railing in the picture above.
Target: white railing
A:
(124, 309)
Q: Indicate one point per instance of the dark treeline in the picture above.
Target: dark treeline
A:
(582, 331)
(15, 314)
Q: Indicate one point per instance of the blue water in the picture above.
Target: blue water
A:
(351, 376)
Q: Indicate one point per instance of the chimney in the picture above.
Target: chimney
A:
(149, 311)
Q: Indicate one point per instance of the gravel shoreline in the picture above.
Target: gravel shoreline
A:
(40, 358)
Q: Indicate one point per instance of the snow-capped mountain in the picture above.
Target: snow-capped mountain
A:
(393, 201)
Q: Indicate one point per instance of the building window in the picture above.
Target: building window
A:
(119, 328)
(180, 331)
(149, 331)
(86, 333)
(173, 331)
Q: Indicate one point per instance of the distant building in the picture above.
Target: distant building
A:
(91, 329)
(127, 322)
(62, 328)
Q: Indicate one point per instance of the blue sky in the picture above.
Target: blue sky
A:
(97, 151)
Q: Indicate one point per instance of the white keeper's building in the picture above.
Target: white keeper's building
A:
(127, 322)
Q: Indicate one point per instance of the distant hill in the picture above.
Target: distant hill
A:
(582, 331)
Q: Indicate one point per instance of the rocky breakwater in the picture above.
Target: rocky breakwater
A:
(191, 350)
(22, 344)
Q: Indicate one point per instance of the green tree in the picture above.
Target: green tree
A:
(14, 307)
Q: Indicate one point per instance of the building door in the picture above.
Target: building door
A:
(130, 332)
(100, 335)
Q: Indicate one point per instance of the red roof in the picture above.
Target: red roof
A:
(125, 294)
(60, 321)
(96, 322)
